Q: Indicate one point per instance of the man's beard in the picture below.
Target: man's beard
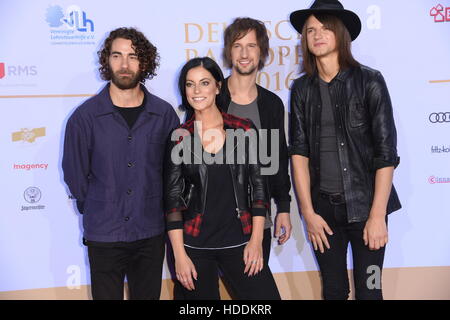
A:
(125, 83)
(244, 73)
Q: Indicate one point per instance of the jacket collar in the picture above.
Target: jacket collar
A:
(229, 122)
(106, 106)
(264, 113)
(342, 76)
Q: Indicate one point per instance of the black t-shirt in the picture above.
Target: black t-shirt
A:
(330, 172)
(221, 226)
(131, 114)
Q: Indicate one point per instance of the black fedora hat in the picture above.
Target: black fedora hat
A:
(333, 7)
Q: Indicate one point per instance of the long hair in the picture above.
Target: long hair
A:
(239, 29)
(213, 68)
(146, 52)
(343, 44)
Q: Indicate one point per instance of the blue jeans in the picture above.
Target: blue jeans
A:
(367, 264)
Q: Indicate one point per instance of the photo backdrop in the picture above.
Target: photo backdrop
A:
(48, 66)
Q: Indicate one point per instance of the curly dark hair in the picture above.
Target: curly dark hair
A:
(147, 53)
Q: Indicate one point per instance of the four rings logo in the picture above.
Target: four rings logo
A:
(439, 117)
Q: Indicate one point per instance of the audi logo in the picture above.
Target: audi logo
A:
(439, 117)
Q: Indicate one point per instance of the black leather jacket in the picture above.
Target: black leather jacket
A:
(365, 132)
(185, 184)
(271, 112)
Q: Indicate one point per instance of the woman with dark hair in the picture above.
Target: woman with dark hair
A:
(211, 221)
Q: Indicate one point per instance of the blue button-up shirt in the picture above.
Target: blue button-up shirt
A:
(115, 172)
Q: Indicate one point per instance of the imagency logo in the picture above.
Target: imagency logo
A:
(70, 27)
(440, 13)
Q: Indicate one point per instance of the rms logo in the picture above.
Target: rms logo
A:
(17, 70)
(440, 13)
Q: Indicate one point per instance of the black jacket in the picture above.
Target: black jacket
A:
(365, 132)
(271, 112)
(185, 182)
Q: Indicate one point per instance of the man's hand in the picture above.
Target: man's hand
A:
(283, 222)
(316, 227)
(375, 233)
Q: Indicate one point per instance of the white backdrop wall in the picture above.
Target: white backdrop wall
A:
(48, 66)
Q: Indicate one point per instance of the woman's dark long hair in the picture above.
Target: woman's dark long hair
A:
(213, 68)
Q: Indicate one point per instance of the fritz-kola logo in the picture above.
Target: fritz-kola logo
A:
(28, 135)
(74, 18)
(440, 13)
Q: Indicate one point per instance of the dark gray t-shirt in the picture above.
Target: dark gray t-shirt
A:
(246, 111)
(330, 171)
(250, 111)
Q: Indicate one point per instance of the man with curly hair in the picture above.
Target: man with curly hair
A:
(112, 163)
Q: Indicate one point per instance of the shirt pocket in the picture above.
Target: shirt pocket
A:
(155, 147)
(358, 115)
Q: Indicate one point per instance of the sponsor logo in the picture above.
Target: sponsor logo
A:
(17, 75)
(435, 180)
(440, 149)
(440, 13)
(7, 71)
(32, 195)
(29, 167)
(439, 117)
(28, 135)
(70, 27)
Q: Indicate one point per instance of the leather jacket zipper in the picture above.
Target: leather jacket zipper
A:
(234, 192)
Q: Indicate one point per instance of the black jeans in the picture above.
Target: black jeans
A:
(178, 291)
(230, 261)
(367, 264)
(140, 261)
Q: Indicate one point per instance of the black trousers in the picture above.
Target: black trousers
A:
(267, 244)
(367, 264)
(140, 261)
(178, 290)
(230, 261)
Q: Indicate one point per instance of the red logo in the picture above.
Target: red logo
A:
(440, 13)
(2, 70)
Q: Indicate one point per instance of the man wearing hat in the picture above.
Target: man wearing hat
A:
(343, 151)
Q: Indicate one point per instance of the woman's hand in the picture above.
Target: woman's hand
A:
(185, 271)
(253, 257)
